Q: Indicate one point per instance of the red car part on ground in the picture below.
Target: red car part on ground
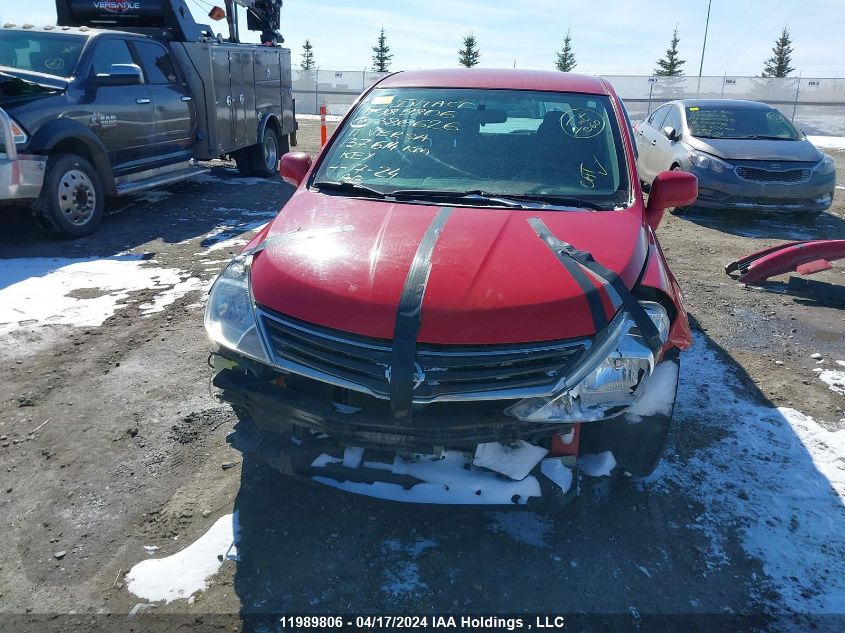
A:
(805, 257)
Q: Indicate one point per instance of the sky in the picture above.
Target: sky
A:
(609, 37)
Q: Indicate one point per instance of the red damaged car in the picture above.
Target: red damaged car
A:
(464, 293)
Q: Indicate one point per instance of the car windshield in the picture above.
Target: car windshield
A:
(548, 147)
(49, 53)
(742, 123)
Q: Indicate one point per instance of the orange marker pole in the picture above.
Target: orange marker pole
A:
(322, 125)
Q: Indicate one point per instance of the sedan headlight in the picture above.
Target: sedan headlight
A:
(609, 379)
(827, 165)
(706, 161)
(230, 315)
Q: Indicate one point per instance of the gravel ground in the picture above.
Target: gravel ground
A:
(110, 441)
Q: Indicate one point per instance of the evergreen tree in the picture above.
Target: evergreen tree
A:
(307, 56)
(469, 54)
(381, 54)
(670, 66)
(778, 65)
(566, 56)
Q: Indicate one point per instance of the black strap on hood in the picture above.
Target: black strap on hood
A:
(571, 258)
(401, 373)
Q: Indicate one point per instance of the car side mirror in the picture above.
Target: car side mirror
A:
(294, 167)
(121, 75)
(671, 133)
(670, 189)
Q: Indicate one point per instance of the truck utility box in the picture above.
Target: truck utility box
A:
(126, 95)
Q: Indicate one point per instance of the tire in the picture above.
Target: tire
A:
(72, 201)
(266, 154)
(244, 161)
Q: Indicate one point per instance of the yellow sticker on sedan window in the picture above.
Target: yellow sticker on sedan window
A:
(693, 109)
(385, 100)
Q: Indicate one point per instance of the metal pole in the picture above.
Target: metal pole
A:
(704, 45)
(797, 90)
(650, 88)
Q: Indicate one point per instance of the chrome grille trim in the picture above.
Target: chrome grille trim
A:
(356, 363)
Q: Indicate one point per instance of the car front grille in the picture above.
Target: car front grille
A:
(442, 372)
(755, 174)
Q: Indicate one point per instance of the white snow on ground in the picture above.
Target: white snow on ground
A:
(600, 465)
(778, 478)
(403, 576)
(80, 292)
(834, 379)
(828, 142)
(524, 527)
(183, 574)
(166, 297)
(234, 232)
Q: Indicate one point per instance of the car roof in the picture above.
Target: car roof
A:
(725, 103)
(503, 78)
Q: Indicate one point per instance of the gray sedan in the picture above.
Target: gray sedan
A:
(746, 155)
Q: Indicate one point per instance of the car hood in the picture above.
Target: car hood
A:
(342, 263)
(761, 149)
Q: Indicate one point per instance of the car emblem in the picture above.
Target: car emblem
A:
(419, 375)
(776, 165)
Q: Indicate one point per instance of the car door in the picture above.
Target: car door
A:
(663, 151)
(175, 111)
(646, 141)
(121, 116)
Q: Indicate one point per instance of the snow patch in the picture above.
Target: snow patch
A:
(777, 478)
(834, 379)
(41, 291)
(514, 461)
(528, 528)
(403, 576)
(555, 470)
(659, 395)
(449, 480)
(165, 298)
(181, 575)
(825, 142)
(600, 465)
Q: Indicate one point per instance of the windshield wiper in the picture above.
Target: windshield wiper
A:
(562, 201)
(349, 187)
(767, 137)
(474, 196)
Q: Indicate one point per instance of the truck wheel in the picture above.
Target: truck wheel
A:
(72, 202)
(266, 154)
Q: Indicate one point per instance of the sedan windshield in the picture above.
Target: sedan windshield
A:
(41, 52)
(742, 123)
(481, 147)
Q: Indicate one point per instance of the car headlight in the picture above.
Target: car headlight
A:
(609, 379)
(230, 315)
(706, 161)
(827, 165)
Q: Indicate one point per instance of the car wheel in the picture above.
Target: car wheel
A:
(72, 202)
(266, 155)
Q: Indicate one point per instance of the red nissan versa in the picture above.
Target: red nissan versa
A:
(463, 294)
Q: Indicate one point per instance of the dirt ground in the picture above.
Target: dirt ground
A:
(110, 441)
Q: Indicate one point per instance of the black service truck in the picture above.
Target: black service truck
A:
(126, 95)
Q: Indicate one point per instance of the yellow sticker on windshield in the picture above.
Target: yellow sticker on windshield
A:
(385, 100)
(693, 109)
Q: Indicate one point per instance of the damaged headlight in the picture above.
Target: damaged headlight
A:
(230, 316)
(706, 161)
(607, 381)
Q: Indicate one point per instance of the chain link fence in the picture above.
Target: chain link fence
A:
(816, 105)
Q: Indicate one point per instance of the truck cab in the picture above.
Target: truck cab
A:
(87, 113)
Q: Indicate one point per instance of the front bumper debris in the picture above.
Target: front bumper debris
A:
(448, 479)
